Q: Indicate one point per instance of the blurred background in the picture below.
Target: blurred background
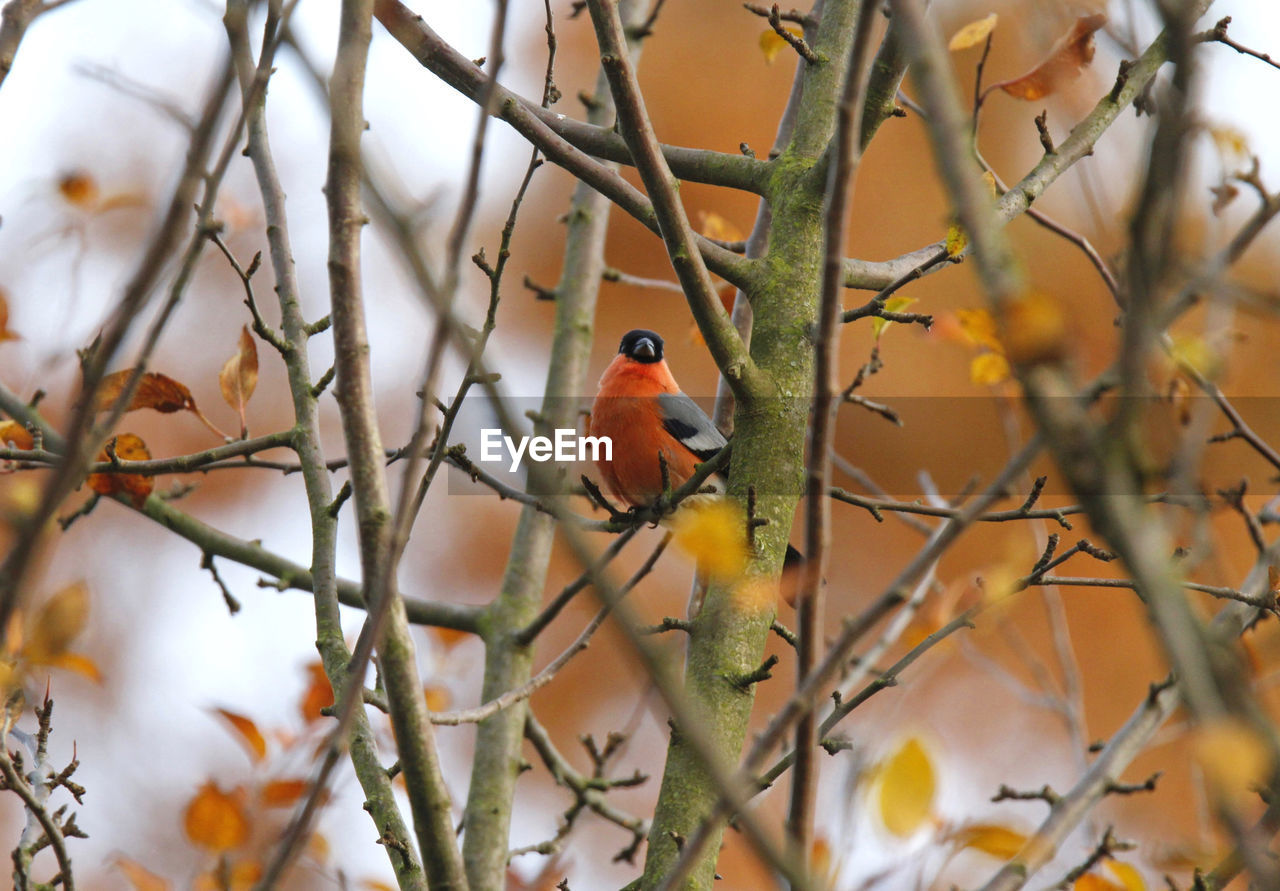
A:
(91, 145)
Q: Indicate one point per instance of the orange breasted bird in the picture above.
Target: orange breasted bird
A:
(641, 409)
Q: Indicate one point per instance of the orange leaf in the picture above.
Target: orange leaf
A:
(5, 333)
(15, 433)
(57, 624)
(215, 820)
(239, 375)
(127, 447)
(1065, 61)
(318, 694)
(241, 877)
(139, 876)
(283, 793)
(248, 732)
(449, 637)
(78, 188)
(157, 391)
(437, 697)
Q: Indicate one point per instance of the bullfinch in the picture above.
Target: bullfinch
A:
(641, 409)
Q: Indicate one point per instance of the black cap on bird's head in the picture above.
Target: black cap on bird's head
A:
(641, 345)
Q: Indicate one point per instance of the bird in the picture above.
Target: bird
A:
(643, 411)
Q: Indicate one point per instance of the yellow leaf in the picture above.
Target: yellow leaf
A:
(1194, 353)
(1033, 329)
(5, 333)
(973, 33)
(242, 877)
(1234, 758)
(139, 876)
(1130, 878)
(999, 841)
(717, 227)
(79, 663)
(957, 240)
(989, 369)
(772, 43)
(906, 784)
(318, 848)
(893, 304)
(248, 733)
(990, 179)
(979, 328)
(714, 533)
(1232, 145)
(215, 819)
(57, 624)
(1091, 881)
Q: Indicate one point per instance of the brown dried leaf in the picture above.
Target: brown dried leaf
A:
(127, 448)
(215, 819)
(1068, 57)
(78, 188)
(57, 624)
(239, 375)
(157, 391)
(15, 433)
(248, 732)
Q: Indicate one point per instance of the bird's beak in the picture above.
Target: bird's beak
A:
(645, 349)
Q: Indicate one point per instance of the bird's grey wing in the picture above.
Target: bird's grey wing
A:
(686, 422)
